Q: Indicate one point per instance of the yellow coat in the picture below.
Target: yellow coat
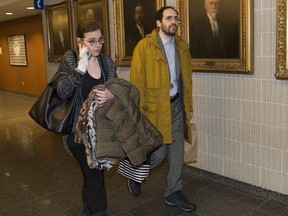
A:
(150, 73)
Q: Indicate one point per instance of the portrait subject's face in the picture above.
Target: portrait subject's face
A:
(138, 14)
(211, 7)
(90, 13)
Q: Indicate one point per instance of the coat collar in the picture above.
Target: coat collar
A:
(181, 44)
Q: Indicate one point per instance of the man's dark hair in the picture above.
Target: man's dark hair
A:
(159, 13)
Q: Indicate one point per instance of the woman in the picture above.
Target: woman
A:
(84, 69)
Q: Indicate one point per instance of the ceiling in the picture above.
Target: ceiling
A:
(18, 8)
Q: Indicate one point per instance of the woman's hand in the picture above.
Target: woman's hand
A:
(83, 57)
(103, 95)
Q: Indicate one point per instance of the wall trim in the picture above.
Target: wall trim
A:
(238, 184)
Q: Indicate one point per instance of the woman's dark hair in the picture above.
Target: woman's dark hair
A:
(88, 25)
(159, 13)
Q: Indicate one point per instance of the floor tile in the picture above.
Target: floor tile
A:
(252, 200)
(215, 187)
(272, 207)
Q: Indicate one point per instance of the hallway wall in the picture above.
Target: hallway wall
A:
(31, 79)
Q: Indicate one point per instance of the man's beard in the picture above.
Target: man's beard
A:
(168, 32)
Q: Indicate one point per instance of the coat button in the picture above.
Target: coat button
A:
(173, 139)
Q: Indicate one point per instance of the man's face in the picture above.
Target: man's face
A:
(211, 7)
(169, 23)
(138, 14)
(90, 13)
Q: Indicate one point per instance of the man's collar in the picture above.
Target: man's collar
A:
(164, 40)
(211, 18)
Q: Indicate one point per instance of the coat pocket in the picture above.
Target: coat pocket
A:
(150, 107)
(151, 100)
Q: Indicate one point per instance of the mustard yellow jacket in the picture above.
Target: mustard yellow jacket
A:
(150, 74)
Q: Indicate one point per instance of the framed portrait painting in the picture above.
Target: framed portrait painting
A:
(219, 33)
(97, 9)
(17, 50)
(133, 19)
(59, 30)
(281, 40)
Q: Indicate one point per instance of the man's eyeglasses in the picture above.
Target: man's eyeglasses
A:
(93, 42)
(170, 18)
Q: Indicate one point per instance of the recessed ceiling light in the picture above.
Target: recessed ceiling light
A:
(30, 8)
(9, 14)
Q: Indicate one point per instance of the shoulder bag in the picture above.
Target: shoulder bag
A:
(53, 113)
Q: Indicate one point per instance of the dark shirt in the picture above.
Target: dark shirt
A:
(88, 83)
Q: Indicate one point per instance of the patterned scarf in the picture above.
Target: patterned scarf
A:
(86, 133)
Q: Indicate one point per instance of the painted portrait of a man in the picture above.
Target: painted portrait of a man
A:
(61, 35)
(137, 21)
(214, 29)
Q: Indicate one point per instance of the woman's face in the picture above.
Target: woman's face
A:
(94, 41)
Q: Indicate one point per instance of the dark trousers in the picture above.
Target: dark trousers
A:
(94, 193)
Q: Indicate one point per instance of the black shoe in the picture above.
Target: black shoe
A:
(177, 199)
(86, 211)
(134, 187)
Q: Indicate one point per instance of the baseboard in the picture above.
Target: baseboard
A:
(238, 184)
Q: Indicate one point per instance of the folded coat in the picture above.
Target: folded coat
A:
(119, 128)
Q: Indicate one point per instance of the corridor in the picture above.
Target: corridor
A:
(38, 177)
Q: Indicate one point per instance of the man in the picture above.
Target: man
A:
(210, 37)
(61, 40)
(135, 32)
(161, 70)
(90, 13)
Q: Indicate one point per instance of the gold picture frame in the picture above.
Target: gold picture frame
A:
(123, 17)
(17, 50)
(99, 10)
(240, 57)
(59, 30)
(281, 40)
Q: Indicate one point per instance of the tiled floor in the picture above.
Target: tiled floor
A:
(37, 177)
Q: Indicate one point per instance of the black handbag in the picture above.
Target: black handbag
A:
(53, 113)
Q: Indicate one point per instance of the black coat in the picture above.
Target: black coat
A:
(132, 37)
(203, 44)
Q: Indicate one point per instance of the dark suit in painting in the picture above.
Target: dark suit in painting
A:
(132, 37)
(204, 44)
(61, 42)
(61, 37)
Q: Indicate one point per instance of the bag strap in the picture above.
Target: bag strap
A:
(75, 58)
